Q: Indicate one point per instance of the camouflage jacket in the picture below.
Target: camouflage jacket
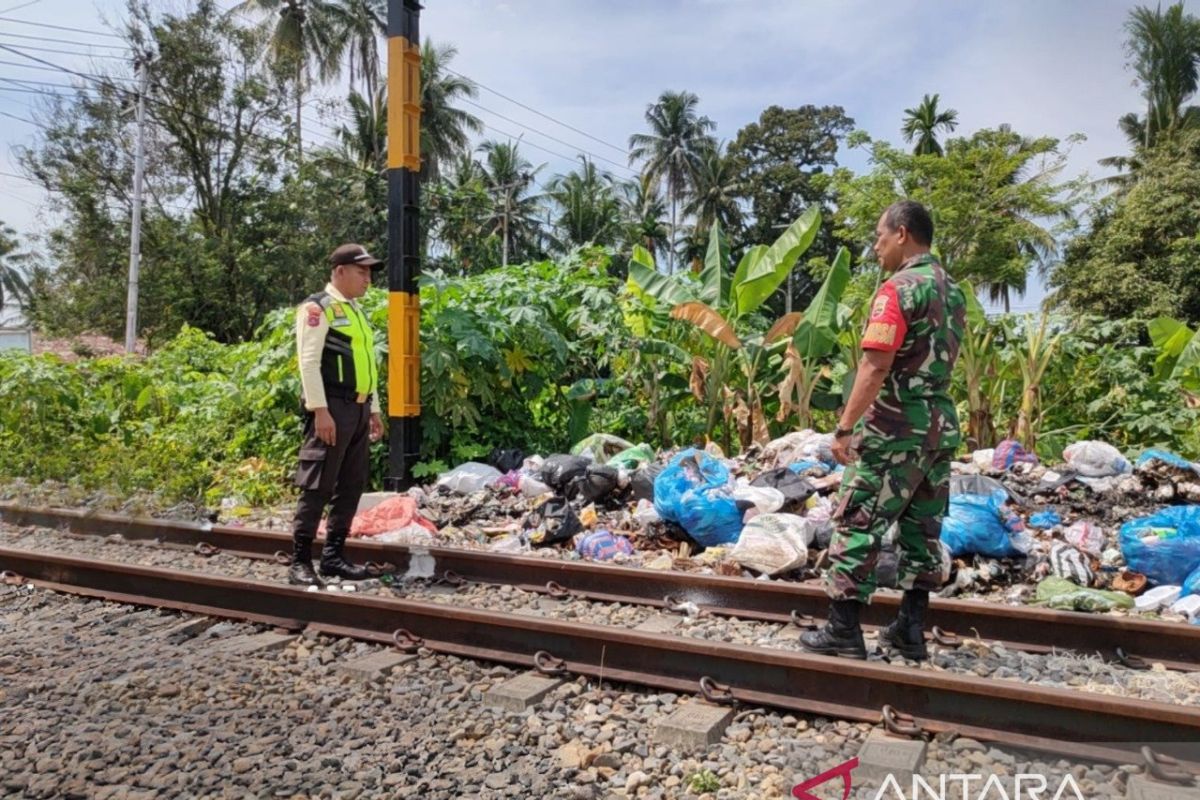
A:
(919, 313)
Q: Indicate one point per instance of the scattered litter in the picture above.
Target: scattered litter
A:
(1096, 459)
(1045, 519)
(773, 543)
(1086, 536)
(1063, 595)
(1164, 546)
(695, 492)
(1009, 453)
(1157, 598)
(603, 546)
(468, 478)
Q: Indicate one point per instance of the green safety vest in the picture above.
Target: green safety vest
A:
(348, 364)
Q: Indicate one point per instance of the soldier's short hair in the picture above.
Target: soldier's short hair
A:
(913, 216)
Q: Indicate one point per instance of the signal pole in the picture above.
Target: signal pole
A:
(404, 254)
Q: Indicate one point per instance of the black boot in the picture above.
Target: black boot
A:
(300, 573)
(334, 564)
(907, 634)
(842, 634)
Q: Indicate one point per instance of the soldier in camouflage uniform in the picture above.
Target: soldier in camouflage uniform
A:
(909, 437)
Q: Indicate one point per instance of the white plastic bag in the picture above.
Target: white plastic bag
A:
(1086, 536)
(766, 499)
(532, 487)
(983, 459)
(1096, 459)
(645, 514)
(773, 543)
(468, 478)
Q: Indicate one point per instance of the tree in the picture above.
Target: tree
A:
(444, 129)
(356, 28)
(14, 288)
(1141, 256)
(509, 177)
(996, 199)
(671, 150)
(230, 229)
(302, 37)
(923, 123)
(783, 158)
(365, 141)
(716, 185)
(588, 208)
(644, 212)
(1164, 48)
(457, 211)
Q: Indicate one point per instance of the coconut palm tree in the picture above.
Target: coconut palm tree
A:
(1164, 48)
(672, 148)
(365, 140)
(588, 207)
(644, 211)
(302, 41)
(12, 276)
(716, 183)
(515, 218)
(445, 130)
(357, 27)
(923, 123)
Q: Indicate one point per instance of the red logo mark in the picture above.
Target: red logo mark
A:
(843, 769)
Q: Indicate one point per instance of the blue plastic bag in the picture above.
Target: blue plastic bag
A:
(1045, 519)
(810, 464)
(1164, 546)
(1191, 584)
(1166, 457)
(975, 525)
(695, 492)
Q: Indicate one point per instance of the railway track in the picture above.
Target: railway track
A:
(907, 700)
(1132, 641)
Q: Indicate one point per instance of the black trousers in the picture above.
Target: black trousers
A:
(336, 474)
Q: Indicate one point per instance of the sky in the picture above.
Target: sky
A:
(1047, 68)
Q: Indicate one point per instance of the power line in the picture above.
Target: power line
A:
(19, 7)
(53, 69)
(551, 138)
(104, 82)
(43, 92)
(62, 41)
(61, 28)
(72, 52)
(621, 150)
(18, 119)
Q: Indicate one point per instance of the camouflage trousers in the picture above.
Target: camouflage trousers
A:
(908, 488)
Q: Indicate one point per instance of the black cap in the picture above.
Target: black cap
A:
(353, 254)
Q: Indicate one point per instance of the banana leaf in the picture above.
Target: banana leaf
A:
(663, 288)
(763, 276)
(713, 281)
(816, 336)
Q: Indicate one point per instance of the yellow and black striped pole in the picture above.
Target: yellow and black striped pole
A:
(404, 253)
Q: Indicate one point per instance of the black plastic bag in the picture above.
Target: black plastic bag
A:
(795, 489)
(558, 471)
(552, 522)
(597, 482)
(506, 460)
(641, 486)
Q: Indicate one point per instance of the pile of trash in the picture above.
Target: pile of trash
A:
(1096, 533)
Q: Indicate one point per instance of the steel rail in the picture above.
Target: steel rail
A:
(1085, 725)
(1133, 641)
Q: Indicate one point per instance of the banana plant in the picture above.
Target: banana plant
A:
(1179, 352)
(1032, 359)
(982, 368)
(811, 343)
(715, 306)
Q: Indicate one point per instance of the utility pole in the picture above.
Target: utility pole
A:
(135, 227)
(507, 211)
(404, 255)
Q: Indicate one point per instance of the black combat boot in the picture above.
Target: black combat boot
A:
(301, 572)
(334, 564)
(842, 634)
(907, 634)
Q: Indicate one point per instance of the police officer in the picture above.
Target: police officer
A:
(339, 380)
(909, 438)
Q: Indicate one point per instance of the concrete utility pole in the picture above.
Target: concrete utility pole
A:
(135, 227)
(404, 254)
